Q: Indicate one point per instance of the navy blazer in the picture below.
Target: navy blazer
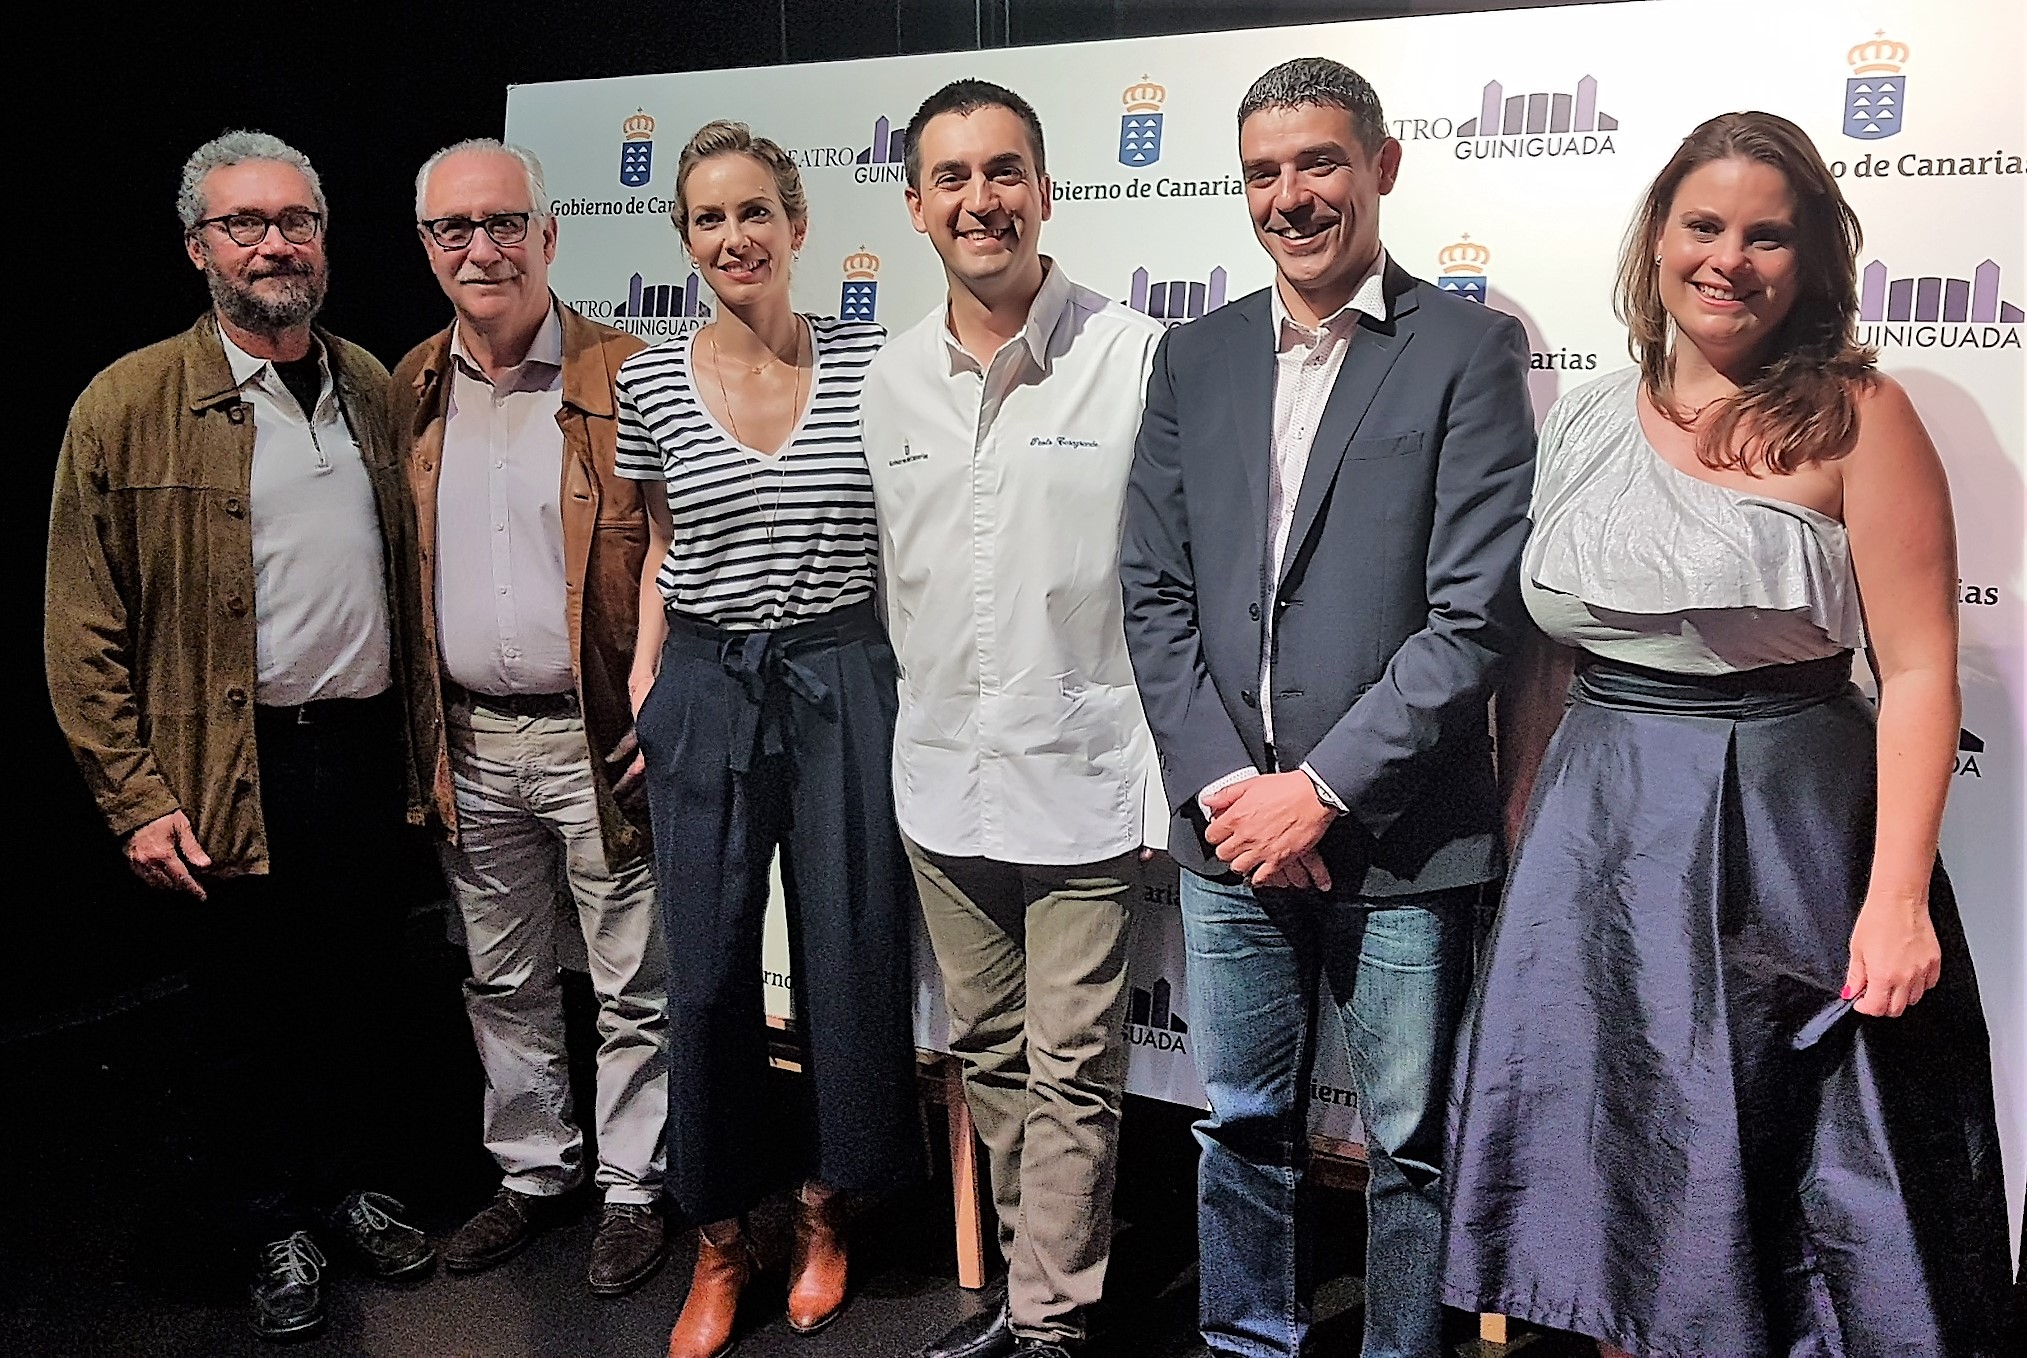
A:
(1399, 593)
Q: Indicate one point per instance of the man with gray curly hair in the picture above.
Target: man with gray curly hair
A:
(266, 292)
(228, 539)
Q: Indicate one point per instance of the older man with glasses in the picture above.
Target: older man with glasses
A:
(527, 604)
(228, 541)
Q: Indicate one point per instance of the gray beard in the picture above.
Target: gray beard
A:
(301, 298)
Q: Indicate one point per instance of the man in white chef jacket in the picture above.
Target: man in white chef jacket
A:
(1000, 433)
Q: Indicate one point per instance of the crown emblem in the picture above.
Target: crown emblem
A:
(864, 264)
(1145, 97)
(1466, 256)
(639, 127)
(1881, 56)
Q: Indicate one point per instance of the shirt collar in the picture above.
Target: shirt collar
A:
(246, 368)
(1369, 298)
(546, 350)
(1043, 313)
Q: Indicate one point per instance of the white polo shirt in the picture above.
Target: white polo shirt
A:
(1001, 495)
(319, 583)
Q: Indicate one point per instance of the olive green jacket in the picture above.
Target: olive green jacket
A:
(148, 627)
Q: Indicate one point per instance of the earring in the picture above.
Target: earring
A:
(1657, 259)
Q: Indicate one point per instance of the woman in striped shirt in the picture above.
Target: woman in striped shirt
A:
(764, 696)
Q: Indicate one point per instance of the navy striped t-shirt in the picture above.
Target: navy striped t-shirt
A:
(760, 540)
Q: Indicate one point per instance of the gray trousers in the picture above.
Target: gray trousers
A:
(1034, 975)
(528, 850)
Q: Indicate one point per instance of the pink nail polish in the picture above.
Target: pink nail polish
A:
(1845, 993)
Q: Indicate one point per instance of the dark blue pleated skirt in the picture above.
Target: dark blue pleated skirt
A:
(1667, 1132)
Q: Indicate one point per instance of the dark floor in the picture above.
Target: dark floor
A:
(105, 1247)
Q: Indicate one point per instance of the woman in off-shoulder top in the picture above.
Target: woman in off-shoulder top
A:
(1726, 1087)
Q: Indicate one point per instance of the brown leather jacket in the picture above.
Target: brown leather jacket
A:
(604, 542)
(148, 622)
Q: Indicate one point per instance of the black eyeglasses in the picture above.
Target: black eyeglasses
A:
(455, 233)
(299, 226)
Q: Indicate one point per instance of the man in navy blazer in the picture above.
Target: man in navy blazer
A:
(1323, 534)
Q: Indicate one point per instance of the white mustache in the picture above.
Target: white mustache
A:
(468, 275)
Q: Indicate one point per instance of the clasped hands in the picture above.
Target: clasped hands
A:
(1267, 828)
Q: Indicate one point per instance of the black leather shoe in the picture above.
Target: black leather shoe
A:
(288, 1288)
(500, 1228)
(629, 1246)
(989, 1334)
(371, 1228)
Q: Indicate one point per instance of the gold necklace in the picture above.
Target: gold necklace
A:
(769, 513)
(725, 396)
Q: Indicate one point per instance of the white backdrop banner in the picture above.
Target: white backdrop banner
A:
(1528, 135)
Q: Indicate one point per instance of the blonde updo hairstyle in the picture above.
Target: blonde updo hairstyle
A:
(726, 138)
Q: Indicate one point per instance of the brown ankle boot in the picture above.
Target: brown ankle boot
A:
(816, 1271)
(704, 1329)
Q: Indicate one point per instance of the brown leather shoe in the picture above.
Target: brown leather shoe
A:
(816, 1269)
(704, 1329)
(627, 1249)
(499, 1229)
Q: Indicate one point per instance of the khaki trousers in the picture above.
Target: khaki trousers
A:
(1034, 975)
(528, 838)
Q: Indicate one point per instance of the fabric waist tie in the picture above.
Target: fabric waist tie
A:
(1770, 691)
(764, 659)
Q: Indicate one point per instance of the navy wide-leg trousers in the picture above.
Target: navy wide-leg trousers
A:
(758, 741)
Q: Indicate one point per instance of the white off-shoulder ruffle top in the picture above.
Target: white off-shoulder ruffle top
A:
(1634, 559)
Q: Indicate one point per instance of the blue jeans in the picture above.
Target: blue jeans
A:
(1399, 967)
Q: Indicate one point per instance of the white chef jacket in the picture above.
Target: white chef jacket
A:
(1001, 494)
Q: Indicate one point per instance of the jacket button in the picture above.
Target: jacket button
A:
(1253, 612)
(234, 507)
(236, 606)
(236, 696)
(1249, 697)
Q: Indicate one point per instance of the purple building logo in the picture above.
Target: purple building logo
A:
(883, 161)
(677, 300)
(1463, 270)
(1516, 115)
(1875, 97)
(1140, 126)
(1974, 300)
(861, 295)
(1151, 1008)
(637, 150)
(1151, 1020)
(1178, 300)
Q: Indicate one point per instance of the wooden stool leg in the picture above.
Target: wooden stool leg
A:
(964, 1187)
(1492, 1328)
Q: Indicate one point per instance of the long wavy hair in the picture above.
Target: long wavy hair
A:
(1802, 404)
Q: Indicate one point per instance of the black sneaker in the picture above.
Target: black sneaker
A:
(287, 1290)
(371, 1228)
